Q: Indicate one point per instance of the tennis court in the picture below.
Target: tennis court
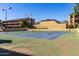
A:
(38, 35)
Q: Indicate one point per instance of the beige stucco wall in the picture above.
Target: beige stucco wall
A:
(50, 25)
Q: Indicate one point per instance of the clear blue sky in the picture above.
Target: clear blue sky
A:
(39, 11)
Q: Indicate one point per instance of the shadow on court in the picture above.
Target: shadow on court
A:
(5, 41)
(5, 52)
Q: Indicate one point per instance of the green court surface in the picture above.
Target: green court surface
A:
(67, 44)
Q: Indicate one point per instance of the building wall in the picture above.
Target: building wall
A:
(50, 25)
(73, 21)
(15, 24)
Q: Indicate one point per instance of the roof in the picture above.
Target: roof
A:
(18, 19)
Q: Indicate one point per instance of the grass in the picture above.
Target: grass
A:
(67, 44)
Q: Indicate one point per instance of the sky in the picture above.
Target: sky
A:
(38, 11)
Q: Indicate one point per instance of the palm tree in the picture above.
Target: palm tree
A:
(24, 24)
(76, 9)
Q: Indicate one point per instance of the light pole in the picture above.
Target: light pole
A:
(29, 16)
(5, 10)
(30, 19)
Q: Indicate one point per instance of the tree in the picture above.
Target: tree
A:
(24, 24)
(76, 9)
